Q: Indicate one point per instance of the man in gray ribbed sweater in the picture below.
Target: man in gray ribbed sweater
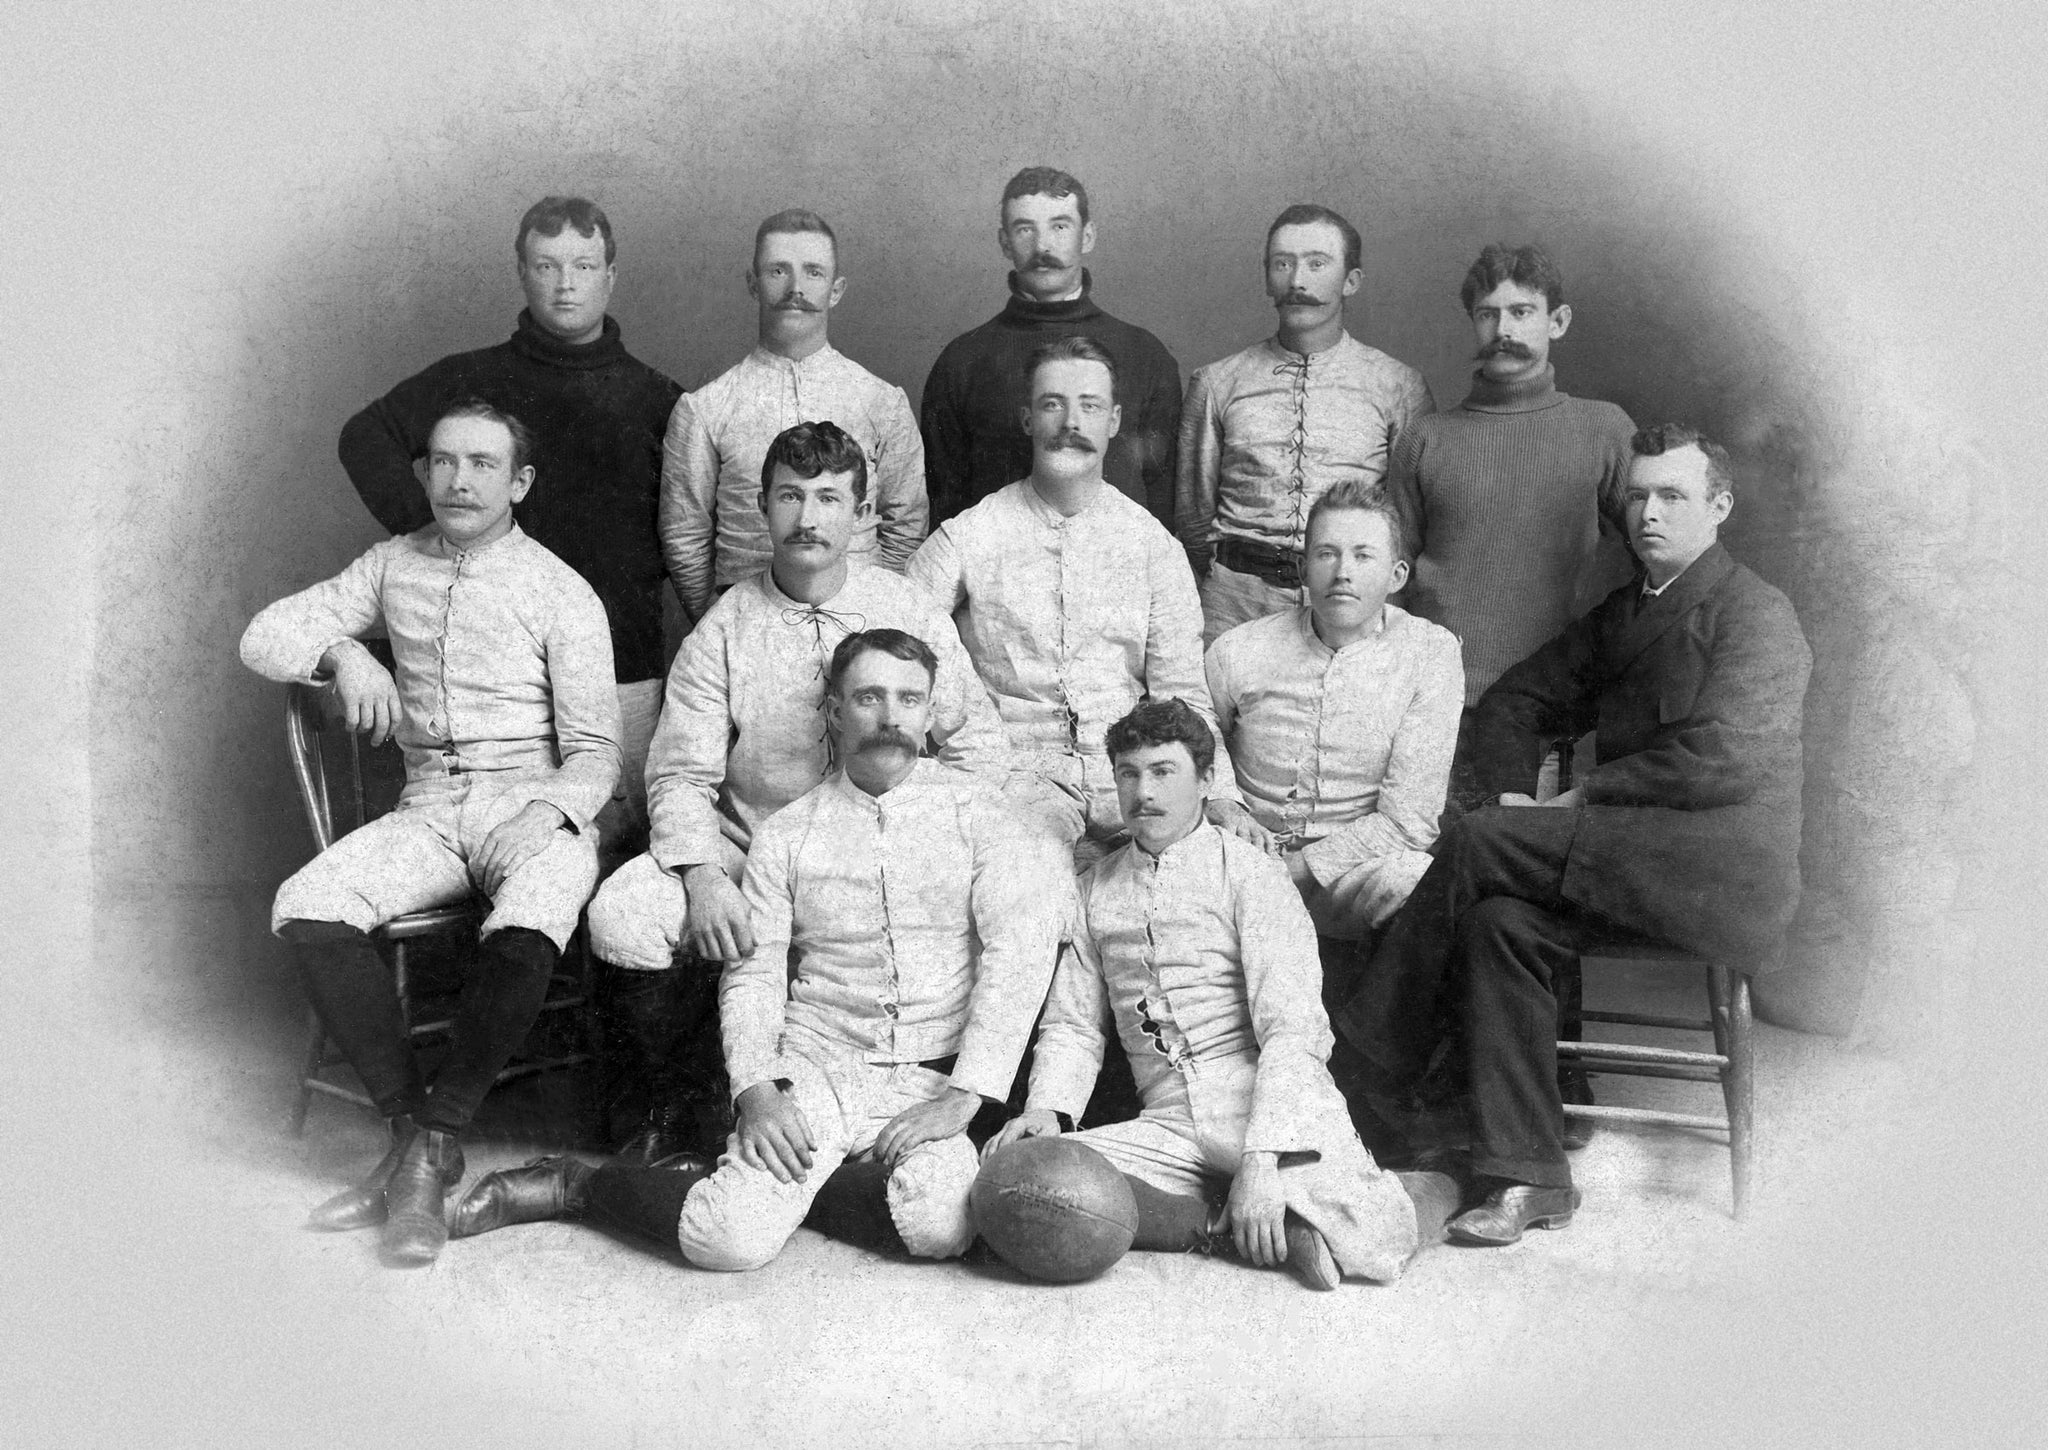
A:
(1502, 495)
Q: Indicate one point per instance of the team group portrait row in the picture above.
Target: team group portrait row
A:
(1186, 805)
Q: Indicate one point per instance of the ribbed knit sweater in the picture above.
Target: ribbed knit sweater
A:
(597, 415)
(1502, 496)
(972, 411)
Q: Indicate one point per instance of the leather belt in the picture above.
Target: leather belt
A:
(1278, 567)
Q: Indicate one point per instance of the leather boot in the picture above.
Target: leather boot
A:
(666, 1131)
(363, 1205)
(546, 1188)
(1308, 1255)
(416, 1229)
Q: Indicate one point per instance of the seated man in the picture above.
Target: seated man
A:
(1342, 716)
(505, 707)
(743, 734)
(1686, 831)
(1196, 950)
(1074, 603)
(905, 933)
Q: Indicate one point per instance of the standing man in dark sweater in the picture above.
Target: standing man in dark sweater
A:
(597, 415)
(1503, 494)
(974, 442)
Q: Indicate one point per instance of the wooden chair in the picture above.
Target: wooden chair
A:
(1731, 1063)
(343, 783)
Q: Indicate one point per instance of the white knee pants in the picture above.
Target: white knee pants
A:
(741, 1216)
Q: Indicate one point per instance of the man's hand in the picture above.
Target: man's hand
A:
(772, 1133)
(1297, 871)
(1235, 819)
(719, 927)
(365, 690)
(928, 1122)
(511, 844)
(1031, 1123)
(1257, 1211)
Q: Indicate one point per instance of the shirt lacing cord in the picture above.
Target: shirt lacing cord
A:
(1297, 444)
(816, 615)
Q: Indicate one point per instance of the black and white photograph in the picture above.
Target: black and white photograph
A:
(947, 723)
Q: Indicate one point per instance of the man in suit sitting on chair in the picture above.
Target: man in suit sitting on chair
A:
(1692, 677)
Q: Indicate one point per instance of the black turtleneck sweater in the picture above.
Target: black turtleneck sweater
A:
(597, 415)
(974, 441)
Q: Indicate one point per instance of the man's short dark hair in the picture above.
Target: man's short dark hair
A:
(1162, 722)
(892, 642)
(1304, 213)
(1660, 438)
(551, 213)
(522, 436)
(810, 450)
(1078, 348)
(796, 219)
(1525, 266)
(1045, 181)
(1359, 496)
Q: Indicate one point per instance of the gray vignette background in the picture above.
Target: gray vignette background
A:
(1811, 231)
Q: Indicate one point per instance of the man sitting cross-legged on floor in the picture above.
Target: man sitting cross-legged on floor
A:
(505, 706)
(905, 932)
(1198, 950)
(743, 734)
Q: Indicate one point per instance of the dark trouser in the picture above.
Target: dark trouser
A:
(1488, 936)
(350, 988)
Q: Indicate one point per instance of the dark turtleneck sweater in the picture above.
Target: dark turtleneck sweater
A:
(597, 415)
(1503, 500)
(974, 441)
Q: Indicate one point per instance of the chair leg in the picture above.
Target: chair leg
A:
(1733, 1023)
(316, 1054)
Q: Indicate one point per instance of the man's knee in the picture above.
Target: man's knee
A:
(739, 1219)
(313, 896)
(1499, 929)
(637, 916)
(928, 1198)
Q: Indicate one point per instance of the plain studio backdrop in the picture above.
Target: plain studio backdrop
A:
(1801, 230)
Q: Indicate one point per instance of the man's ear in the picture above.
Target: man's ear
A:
(1399, 577)
(753, 283)
(1721, 505)
(1087, 238)
(521, 482)
(1560, 319)
(1024, 417)
(1353, 280)
(1116, 418)
(836, 291)
(862, 507)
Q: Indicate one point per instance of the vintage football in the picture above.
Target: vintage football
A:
(1054, 1208)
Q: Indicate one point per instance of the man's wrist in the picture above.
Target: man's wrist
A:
(692, 874)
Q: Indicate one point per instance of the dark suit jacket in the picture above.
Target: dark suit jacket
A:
(1690, 831)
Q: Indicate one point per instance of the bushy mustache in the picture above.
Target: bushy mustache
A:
(1503, 347)
(889, 736)
(1070, 439)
